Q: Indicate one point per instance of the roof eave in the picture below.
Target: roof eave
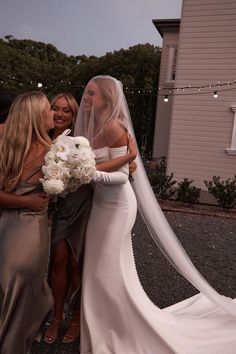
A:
(166, 25)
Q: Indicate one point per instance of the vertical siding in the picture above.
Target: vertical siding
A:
(163, 114)
(201, 126)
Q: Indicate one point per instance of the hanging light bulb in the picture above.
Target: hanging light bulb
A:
(215, 94)
(166, 99)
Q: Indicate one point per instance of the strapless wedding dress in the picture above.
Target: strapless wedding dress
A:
(117, 316)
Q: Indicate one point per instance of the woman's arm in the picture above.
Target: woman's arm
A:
(116, 163)
(35, 202)
(118, 169)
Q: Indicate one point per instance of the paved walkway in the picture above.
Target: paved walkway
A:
(210, 242)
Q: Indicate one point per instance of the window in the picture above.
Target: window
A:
(232, 149)
(171, 66)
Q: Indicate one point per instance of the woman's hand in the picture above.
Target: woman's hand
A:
(36, 201)
(132, 167)
(132, 148)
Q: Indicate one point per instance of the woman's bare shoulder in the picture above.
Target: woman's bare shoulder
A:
(115, 134)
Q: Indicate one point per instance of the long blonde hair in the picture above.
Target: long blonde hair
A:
(25, 124)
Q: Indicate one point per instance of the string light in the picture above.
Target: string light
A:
(166, 99)
(212, 88)
(200, 87)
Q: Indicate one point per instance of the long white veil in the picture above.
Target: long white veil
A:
(158, 226)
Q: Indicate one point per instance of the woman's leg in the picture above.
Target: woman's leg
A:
(73, 331)
(59, 284)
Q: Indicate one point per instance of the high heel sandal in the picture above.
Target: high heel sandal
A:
(48, 338)
(69, 338)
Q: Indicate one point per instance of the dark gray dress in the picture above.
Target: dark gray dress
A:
(69, 222)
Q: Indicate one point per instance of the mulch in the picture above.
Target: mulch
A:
(207, 233)
(200, 209)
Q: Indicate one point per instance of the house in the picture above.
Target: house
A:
(196, 128)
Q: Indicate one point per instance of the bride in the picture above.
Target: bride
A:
(117, 316)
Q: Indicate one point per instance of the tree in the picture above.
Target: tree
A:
(25, 63)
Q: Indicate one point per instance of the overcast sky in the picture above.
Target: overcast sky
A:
(90, 27)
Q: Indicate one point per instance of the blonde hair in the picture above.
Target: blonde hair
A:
(25, 124)
(71, 103)
(108, 87)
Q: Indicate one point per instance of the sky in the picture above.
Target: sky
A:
(89, 27)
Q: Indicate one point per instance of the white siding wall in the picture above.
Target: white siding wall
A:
(163, 114)
(201, 126)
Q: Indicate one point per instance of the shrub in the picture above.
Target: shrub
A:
(162, 185)
(187, 193)
(223, 191)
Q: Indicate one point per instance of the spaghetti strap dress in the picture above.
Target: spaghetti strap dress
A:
(25, 297)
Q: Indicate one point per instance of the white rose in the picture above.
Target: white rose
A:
(65, 169)
(53, 186)
(85, 174)
(53, 170)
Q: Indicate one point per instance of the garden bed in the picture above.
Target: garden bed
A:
(201, 209)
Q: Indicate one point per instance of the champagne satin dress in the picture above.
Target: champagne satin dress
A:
(25, 298)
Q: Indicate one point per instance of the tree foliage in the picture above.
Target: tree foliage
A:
(24, 63)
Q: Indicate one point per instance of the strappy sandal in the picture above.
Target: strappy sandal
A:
(48, 338)
(69, 338)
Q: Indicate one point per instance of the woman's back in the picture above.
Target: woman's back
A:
(24, 240)
(32, 168)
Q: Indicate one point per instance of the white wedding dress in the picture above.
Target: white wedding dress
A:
(117, 317)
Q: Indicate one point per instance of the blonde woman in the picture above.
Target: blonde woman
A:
(69, 222)
(25, 298)
(117, 316)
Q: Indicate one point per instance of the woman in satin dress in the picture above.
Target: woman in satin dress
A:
(69, 221)
(25, 297)
(116, 314)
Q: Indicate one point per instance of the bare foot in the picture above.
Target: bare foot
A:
(51, 333)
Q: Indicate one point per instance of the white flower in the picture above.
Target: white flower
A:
(50, 157)
(53, 186)
(85, 174)
(81, 155)
(69, 164)
(81, 140)
(63, 145)
(53, 171)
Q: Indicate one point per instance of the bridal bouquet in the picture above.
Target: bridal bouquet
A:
(69, 163)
